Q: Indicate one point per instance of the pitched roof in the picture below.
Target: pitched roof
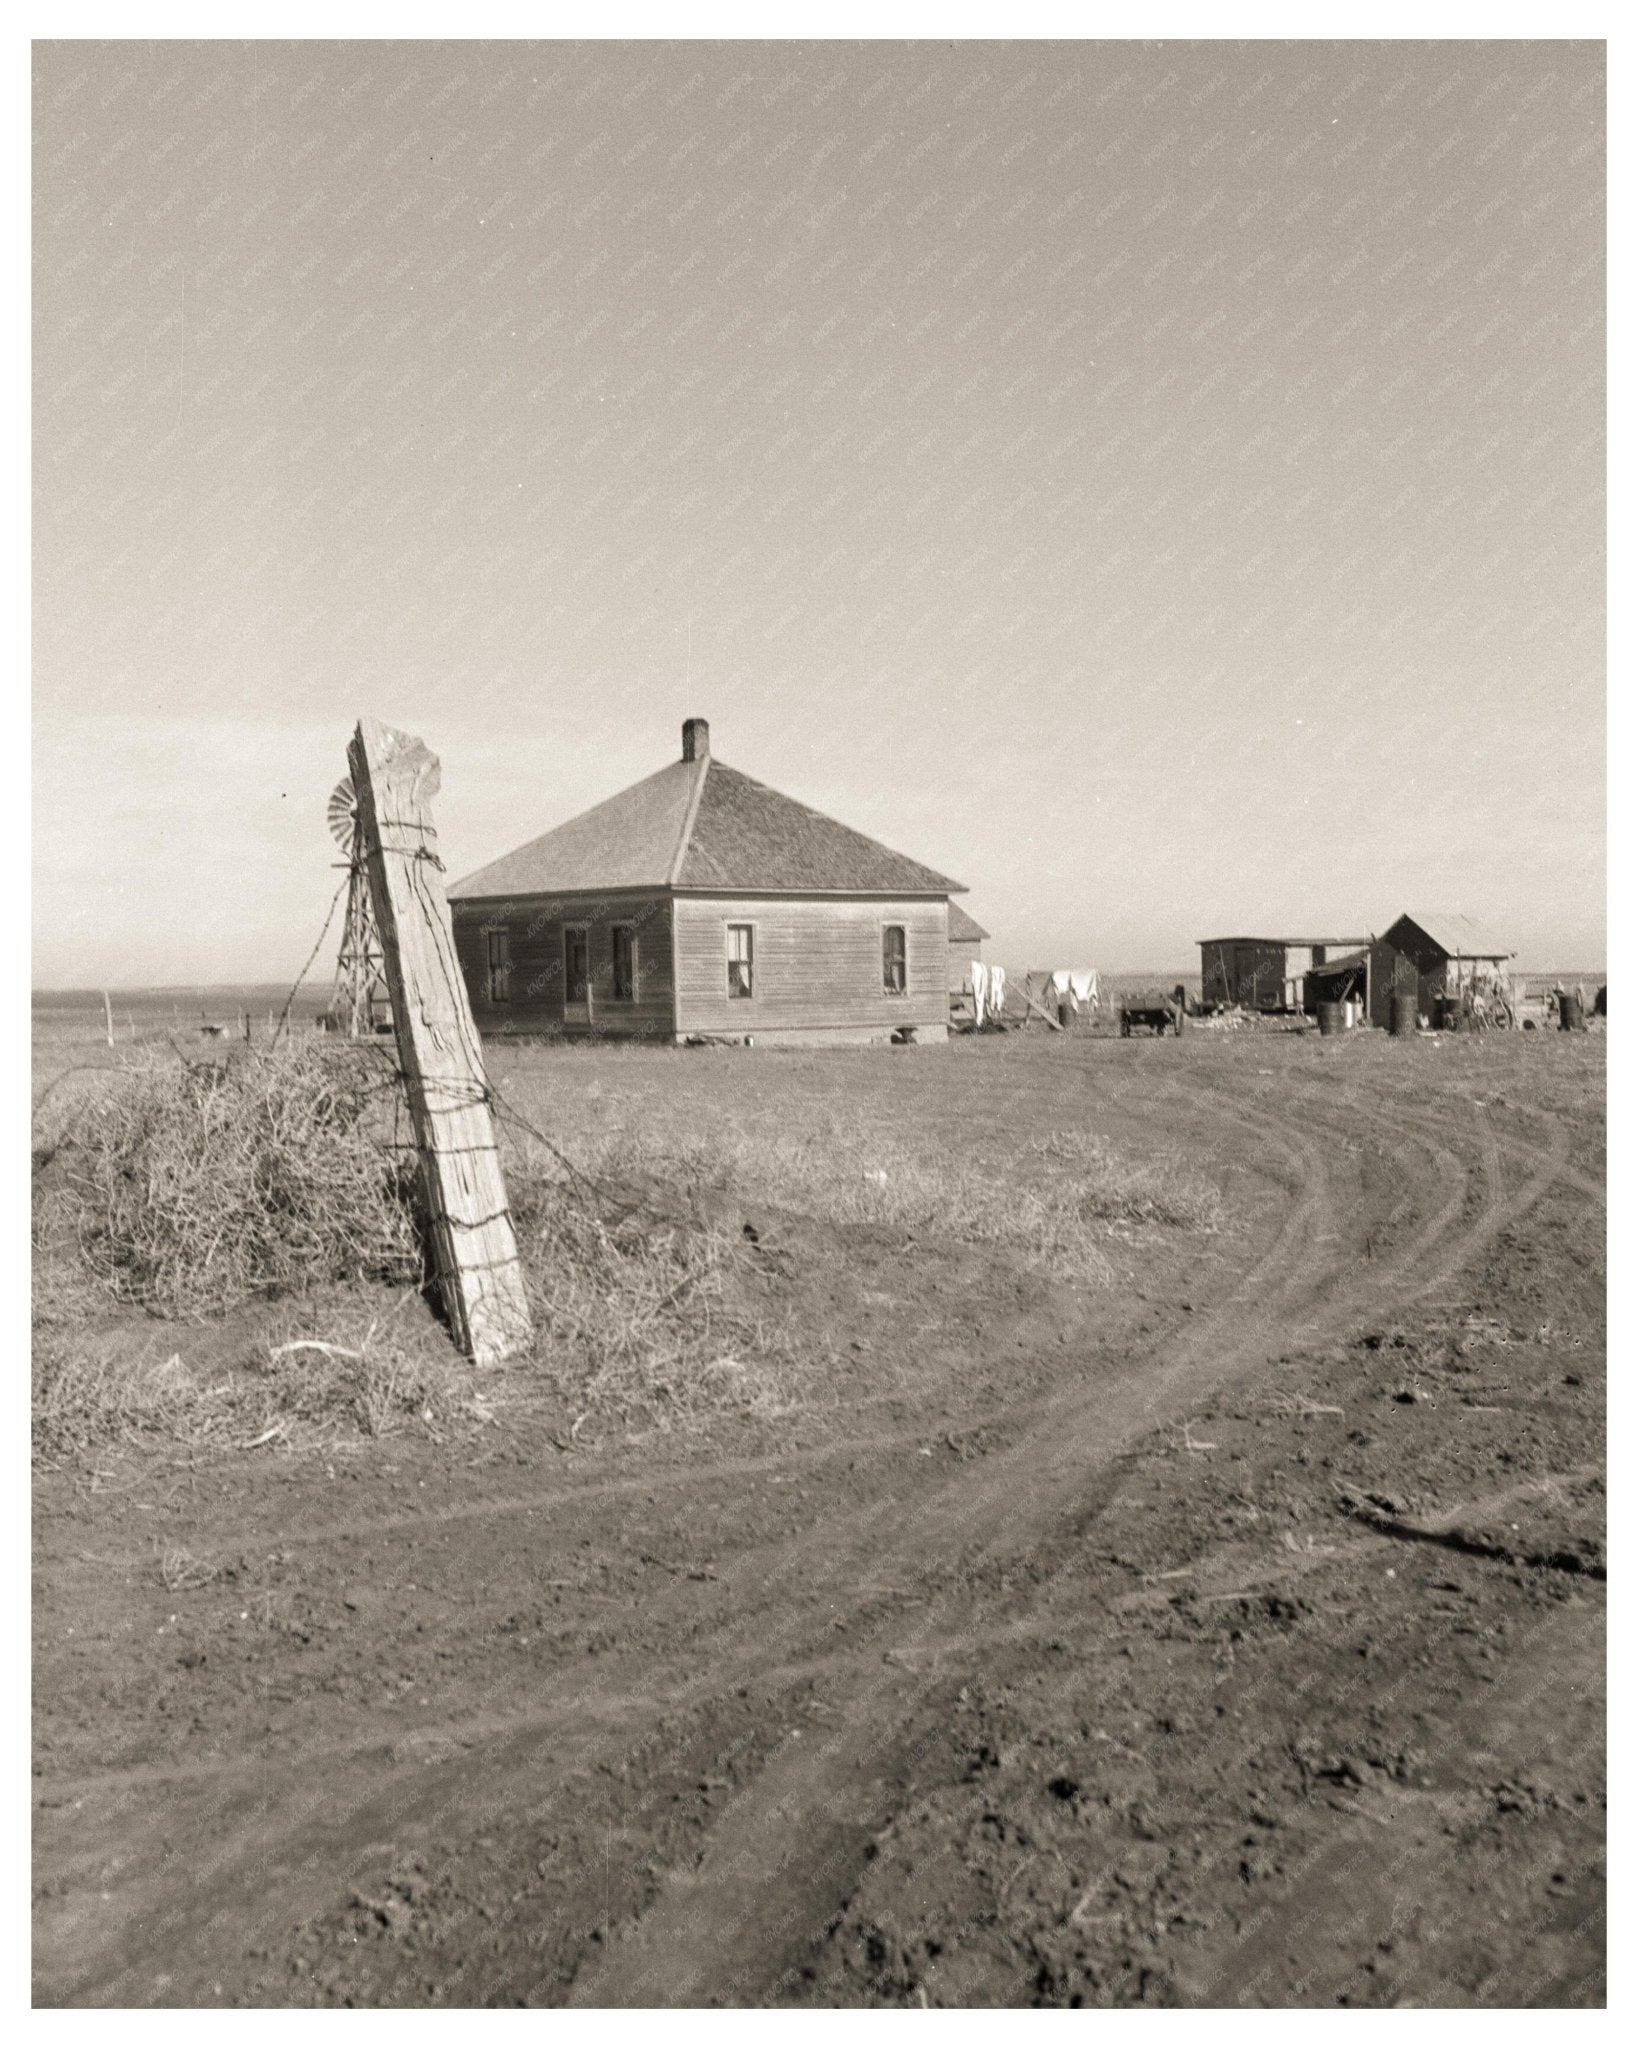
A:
(964, 930)
(701, 825)
(629, 842)
(1460, 937)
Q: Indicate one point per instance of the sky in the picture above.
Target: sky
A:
(1158, 484)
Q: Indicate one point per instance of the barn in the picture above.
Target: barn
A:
(1262, 974)
(700, 904)
(1441, 955)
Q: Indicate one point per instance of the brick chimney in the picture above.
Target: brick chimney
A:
(696, 739)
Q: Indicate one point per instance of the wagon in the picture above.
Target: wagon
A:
(1158, 1014)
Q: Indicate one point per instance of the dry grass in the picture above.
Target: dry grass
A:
(1106, 1187)
(365, 1378)
(1056, 1204)
(87, 1397)
(192, 1187)
(640, 1320)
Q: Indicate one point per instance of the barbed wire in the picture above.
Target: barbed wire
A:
(289, 1000)
(453, 1093)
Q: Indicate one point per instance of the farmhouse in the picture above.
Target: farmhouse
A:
(1433, 957)
(1262, 974)
(701, 904)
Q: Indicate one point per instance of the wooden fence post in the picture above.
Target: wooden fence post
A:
(108, 1018)
(475, 1250)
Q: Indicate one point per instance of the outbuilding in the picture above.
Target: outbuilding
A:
(700, 904)
(967, 938)
(1263, 974)
(1339, 978)
(1443, 957)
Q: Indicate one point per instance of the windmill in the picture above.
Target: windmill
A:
(359, 1004)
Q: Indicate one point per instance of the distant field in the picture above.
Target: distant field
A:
(72, 1020)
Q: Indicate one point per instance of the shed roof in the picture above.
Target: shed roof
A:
(1342, 963)
(964, 930)
(1251, 939)
(699, 824)
(1457, 936)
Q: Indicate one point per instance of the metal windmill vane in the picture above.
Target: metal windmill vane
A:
(359, 1003)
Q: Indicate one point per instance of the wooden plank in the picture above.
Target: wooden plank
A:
(474, 1247)
(1031, 1003)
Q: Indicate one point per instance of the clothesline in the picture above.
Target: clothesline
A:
(989, 987)
(1077, 986)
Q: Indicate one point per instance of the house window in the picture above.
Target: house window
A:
(740, 968)
(498, 965)
(625, 963)
(893, 982)
(574, 964)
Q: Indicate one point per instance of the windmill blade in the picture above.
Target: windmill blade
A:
(342, 813)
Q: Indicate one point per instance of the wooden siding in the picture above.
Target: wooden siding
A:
(818, 965)
(961, 954)
(534, 926)
(1405, 961)
(1249, 972)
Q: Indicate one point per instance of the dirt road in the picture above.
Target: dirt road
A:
(1234, 1635)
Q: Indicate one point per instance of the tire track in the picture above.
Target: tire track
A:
(779, 1619)
(1294, 1284)
(677, 1952)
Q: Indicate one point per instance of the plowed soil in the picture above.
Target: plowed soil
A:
(1233, 1635)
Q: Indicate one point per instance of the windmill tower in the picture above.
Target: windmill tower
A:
(359, 1003)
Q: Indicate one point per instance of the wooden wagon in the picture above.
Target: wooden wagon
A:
(1155, 1013)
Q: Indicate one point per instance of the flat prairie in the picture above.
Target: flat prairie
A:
(1124, 1525)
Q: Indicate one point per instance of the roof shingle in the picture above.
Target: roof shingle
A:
(701, 825)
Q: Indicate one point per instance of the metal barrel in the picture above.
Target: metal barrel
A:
(1330, 1019)
(1402, 1015)
(1571, 1016)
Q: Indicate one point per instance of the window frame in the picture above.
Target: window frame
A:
(903, 930)
(629, 994)
(582, 932)
(497, 974)
(729, 927)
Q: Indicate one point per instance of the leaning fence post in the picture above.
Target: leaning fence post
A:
(474, 1247)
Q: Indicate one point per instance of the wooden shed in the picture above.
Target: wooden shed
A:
(1263, 974)
(967, 938)
(967, 935)
(1438, 955)
(702, 904)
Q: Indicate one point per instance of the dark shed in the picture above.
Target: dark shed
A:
(1262, 974)
(1439, 955)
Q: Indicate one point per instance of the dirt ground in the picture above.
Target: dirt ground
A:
(1229, 1635)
